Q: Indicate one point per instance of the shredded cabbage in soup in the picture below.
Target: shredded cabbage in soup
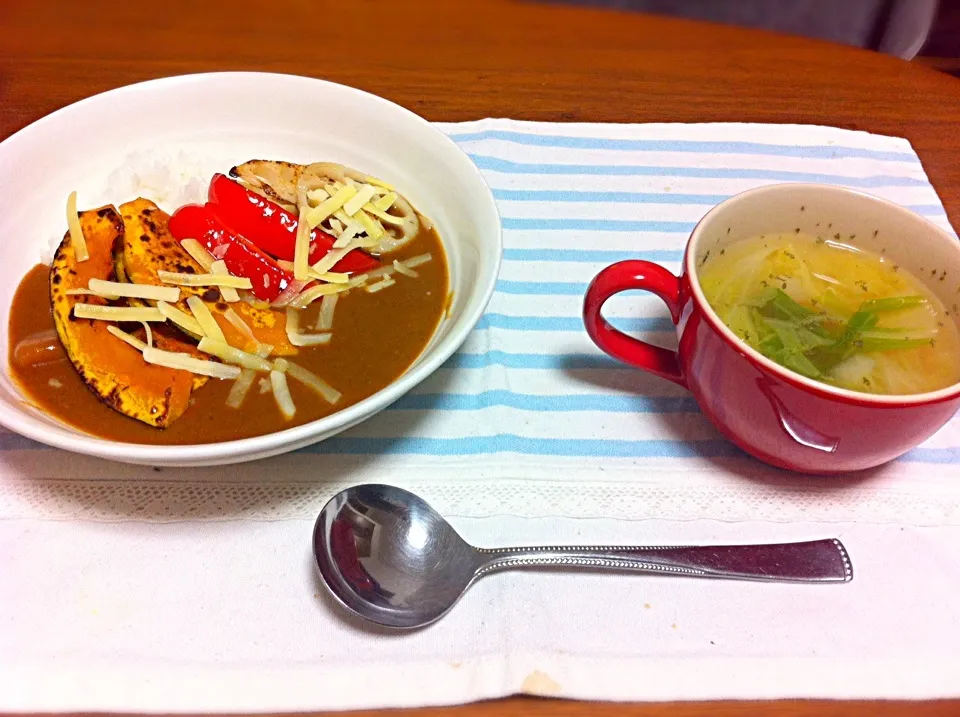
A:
(834, 313)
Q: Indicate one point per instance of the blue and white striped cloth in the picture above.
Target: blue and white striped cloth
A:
(574, 198)
(528, 398)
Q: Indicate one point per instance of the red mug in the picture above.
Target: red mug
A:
(772, 413)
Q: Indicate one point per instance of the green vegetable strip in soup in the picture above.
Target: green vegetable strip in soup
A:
(834, 313)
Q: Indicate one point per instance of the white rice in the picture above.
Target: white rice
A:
(170, 181)
(47, 253)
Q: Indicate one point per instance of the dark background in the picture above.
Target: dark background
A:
(942, 49)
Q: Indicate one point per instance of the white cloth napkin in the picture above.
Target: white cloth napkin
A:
(136, 590)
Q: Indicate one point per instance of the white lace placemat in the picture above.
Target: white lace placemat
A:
(195, 585)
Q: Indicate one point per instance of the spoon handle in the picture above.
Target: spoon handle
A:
(815, 561)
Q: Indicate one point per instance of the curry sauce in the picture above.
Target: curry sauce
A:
(376, 337)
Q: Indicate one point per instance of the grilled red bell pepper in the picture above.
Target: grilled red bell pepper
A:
(242, 257)
(273, 228)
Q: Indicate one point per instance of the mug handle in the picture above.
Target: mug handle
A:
(622, 276)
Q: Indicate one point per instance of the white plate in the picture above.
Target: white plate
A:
(211, 122)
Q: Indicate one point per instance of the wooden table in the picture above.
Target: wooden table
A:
(453, 61)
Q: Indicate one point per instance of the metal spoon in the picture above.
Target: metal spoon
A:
(390, 558)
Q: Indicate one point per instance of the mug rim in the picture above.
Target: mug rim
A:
(808, 384)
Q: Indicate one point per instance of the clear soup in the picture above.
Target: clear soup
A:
(834, 313)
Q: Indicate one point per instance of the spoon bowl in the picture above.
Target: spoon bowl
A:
(387, 556)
